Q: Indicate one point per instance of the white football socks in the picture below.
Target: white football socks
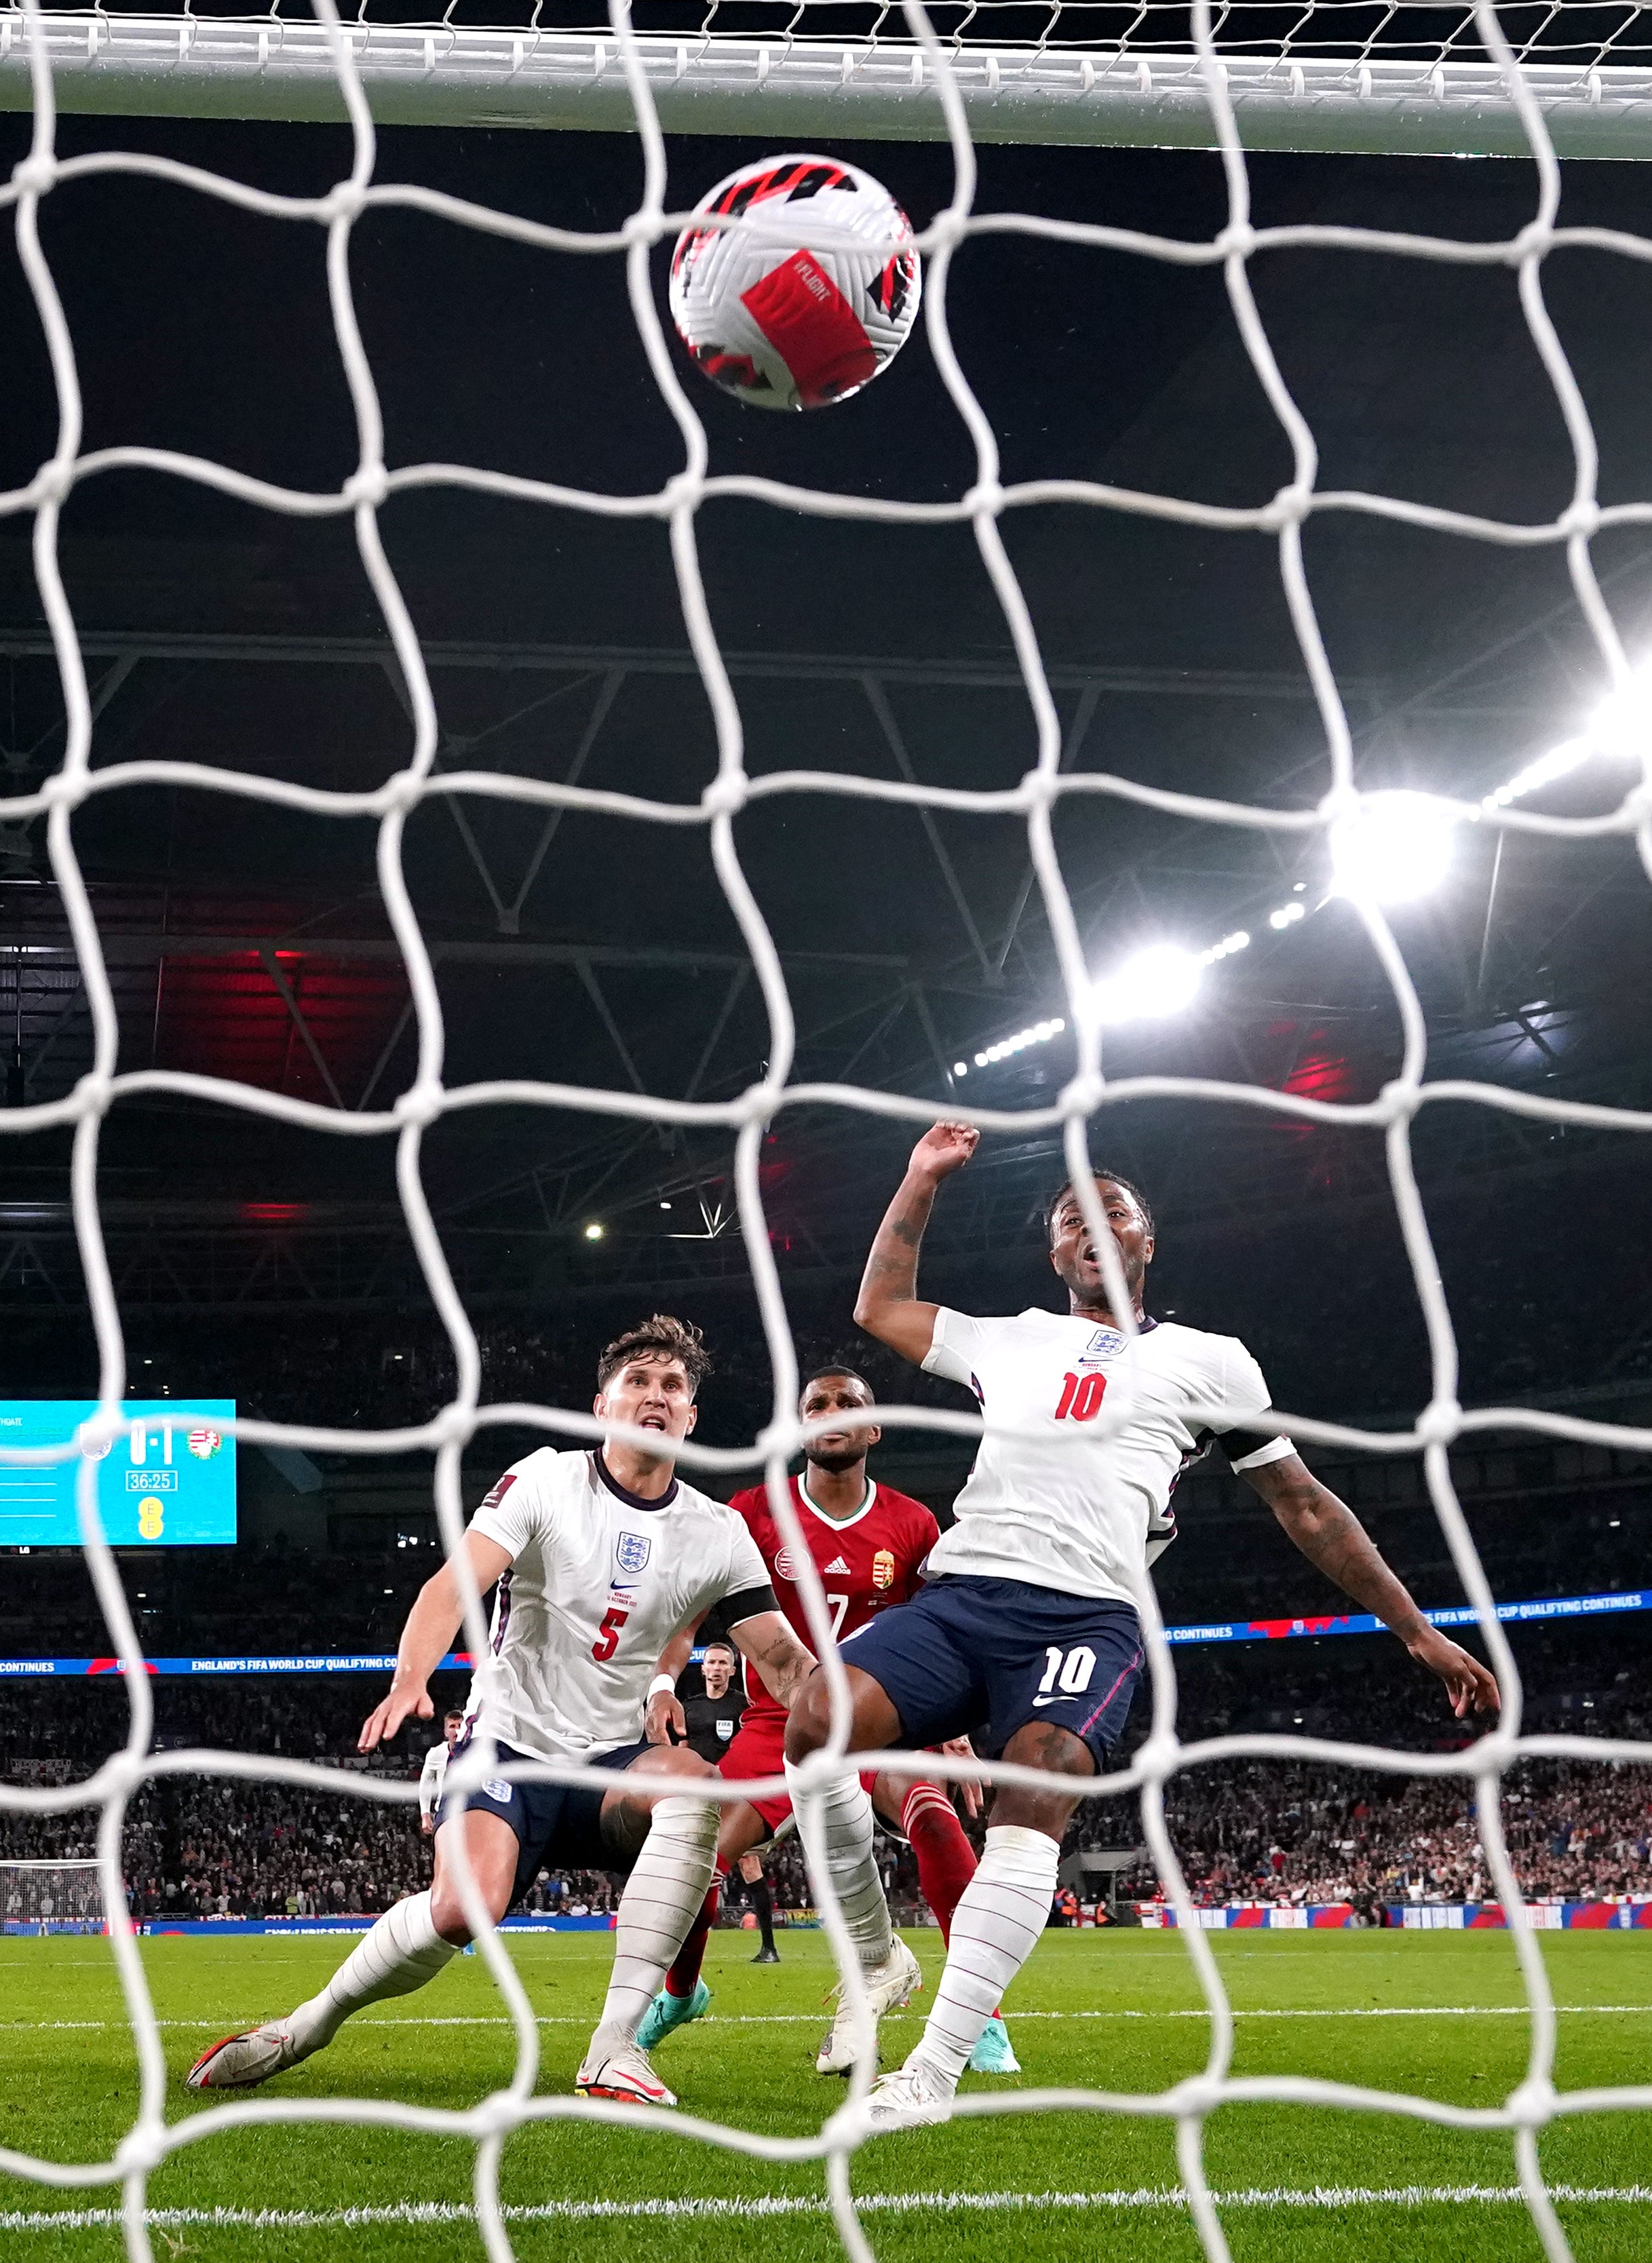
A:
(662, 1898)
(995, 1928)
(402, 1952)
(836, 1830)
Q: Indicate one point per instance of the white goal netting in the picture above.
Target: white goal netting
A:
(152, 2137)
(51, 1897)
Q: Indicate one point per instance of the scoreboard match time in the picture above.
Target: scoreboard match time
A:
(169, 1483)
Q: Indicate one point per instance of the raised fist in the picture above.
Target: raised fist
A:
(942, 1150)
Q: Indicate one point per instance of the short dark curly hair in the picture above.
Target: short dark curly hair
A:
(838, 1367)
(1113, 1178)
(658, 1337)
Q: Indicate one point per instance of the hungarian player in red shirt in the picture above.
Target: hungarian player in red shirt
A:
(869, 1544)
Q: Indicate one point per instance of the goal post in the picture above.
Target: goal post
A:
(42, 1898)
(1302, 93)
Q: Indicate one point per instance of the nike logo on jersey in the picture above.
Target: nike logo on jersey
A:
(834, 1568)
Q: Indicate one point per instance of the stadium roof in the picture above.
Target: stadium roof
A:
(247, 941)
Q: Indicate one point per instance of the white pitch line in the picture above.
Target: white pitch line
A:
(226, 2020)
(1145, 2196)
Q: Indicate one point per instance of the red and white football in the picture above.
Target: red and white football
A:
(809, 295)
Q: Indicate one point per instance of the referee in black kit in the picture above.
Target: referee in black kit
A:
(715, 1714)
(712, 1717)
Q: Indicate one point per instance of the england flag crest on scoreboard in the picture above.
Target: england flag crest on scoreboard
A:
(1104, 1344)
(630, 1551)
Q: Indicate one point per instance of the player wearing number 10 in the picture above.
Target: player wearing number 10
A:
(1029, 1633)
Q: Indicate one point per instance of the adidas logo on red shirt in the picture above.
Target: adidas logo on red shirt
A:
(835, 1567)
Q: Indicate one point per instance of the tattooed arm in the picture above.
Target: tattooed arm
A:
(1330, 1535)
(775, 1652)
(889, 1306)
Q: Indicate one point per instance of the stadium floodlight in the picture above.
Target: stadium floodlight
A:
(1557, 764)
(1393, 849)
(1153, 984)
(1622, 723)
(593, 1232)
(1036, 1033)
(1620, 728)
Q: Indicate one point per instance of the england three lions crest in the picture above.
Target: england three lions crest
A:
(630, 1551)
(1104, 1344)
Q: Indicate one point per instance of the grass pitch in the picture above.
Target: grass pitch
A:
(1437, 2014)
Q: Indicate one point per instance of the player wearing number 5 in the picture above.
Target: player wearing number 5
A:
(599, 1558)
(1028, 1632)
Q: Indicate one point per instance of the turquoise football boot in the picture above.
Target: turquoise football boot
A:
(993, 2055)
(668, 2013)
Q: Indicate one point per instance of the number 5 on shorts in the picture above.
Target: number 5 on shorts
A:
(1066, 1675)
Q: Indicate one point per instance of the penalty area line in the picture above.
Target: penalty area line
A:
(761, 2204)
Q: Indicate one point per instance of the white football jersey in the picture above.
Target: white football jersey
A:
(432, 1776)
(599, 1582)
(1082, 1506)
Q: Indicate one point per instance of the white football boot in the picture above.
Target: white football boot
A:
(906, 2099)
(241, 2062)
(889, 1985)
(621, 2070)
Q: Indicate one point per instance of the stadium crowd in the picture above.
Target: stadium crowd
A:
(1244, 1829)
(1341, 1337)
(198, 1846)
(1267, 1831)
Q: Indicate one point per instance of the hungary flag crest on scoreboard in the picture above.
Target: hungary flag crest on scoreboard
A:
(204, 1444)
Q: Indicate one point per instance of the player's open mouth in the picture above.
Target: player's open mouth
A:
(1088, 1254)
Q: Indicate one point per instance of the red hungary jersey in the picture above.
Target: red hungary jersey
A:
(866, 1562)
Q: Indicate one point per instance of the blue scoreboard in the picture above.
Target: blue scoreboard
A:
(167, 1484)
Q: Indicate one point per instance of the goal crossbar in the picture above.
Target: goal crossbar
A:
(789, 91)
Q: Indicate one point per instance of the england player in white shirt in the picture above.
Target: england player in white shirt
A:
(599, 1558)
(433, 1775)
(1028, 1629)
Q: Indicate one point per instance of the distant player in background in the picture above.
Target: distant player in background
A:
(598, 1558)
(434, 1772)
(714, 1718)
(1029, 1626)
(868, 1543)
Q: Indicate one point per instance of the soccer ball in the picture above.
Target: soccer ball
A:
(801, 320)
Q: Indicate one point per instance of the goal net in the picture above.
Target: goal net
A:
(938, 78)
(51, 1897)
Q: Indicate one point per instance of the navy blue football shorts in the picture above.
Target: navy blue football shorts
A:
(981, 1657)
(554, 1823)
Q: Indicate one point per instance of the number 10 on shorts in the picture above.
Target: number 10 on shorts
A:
(1066, 1675)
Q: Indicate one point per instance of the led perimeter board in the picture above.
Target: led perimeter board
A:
(168, 1483)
